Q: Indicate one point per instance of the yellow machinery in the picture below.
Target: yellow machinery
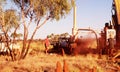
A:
(111, 30)
(102, 43)
(116, 19)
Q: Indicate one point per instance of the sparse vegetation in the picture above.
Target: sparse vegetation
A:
(28, 13)
(31, 57)
(38, 61)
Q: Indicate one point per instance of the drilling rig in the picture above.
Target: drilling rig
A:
(111, 30)
(116, 20)
(109, 41)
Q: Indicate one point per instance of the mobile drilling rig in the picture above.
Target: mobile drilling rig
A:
(111, 30)
(116, 20)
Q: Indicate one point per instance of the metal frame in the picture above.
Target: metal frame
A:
(94, 33)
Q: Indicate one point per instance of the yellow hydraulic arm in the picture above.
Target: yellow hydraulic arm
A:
(117, 5)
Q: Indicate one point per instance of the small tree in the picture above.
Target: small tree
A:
(8, 20)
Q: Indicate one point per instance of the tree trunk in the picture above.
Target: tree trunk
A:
(7, 39)
(38, 26)
(26, 52)
(25, 35)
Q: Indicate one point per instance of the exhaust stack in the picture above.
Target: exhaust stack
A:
(74, 29)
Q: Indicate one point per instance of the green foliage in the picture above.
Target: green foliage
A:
(55, 9)
(8, 19)
(56, 37)
(16, 35)
(11, 19)
(2, 1)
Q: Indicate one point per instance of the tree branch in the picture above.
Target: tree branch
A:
(33, 34)
(43, 22)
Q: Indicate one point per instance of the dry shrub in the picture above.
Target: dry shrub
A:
(36, 47)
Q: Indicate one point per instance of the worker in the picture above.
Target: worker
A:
(111, 45)
(106, 28)
(47, 44)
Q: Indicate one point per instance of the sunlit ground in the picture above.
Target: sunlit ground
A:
(41, 62)
(38, 61)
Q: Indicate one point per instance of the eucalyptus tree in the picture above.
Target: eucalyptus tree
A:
(9, 21)
(39, 12)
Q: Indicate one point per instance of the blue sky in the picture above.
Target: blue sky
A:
(90, 14)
